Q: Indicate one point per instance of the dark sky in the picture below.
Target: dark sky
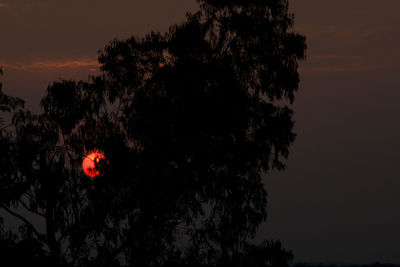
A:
(339, 199)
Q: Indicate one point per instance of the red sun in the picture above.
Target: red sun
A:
(89, 163)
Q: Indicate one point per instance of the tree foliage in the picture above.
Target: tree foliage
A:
(188, 120)
(8, 103)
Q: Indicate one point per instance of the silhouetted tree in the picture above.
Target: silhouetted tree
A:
(188, 121)
(8, 103)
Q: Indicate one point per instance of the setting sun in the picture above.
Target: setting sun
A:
(89, 163)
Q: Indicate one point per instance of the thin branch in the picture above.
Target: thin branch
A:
(30, 195)
(29, 209)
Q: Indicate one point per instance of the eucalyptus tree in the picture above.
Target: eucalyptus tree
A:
(188, 121)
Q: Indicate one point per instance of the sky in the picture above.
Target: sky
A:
(339, 198)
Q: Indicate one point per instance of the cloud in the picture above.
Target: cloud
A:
(53, 64)
(335, 69)
(339, 32)
(330, 63)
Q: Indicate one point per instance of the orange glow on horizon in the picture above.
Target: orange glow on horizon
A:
(53, 64)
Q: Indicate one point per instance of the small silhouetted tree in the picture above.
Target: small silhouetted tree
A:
(189, 121)
(8, 103)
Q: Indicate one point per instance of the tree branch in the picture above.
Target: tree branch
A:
(29, 209)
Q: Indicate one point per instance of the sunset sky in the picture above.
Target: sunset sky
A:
(339, 198)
